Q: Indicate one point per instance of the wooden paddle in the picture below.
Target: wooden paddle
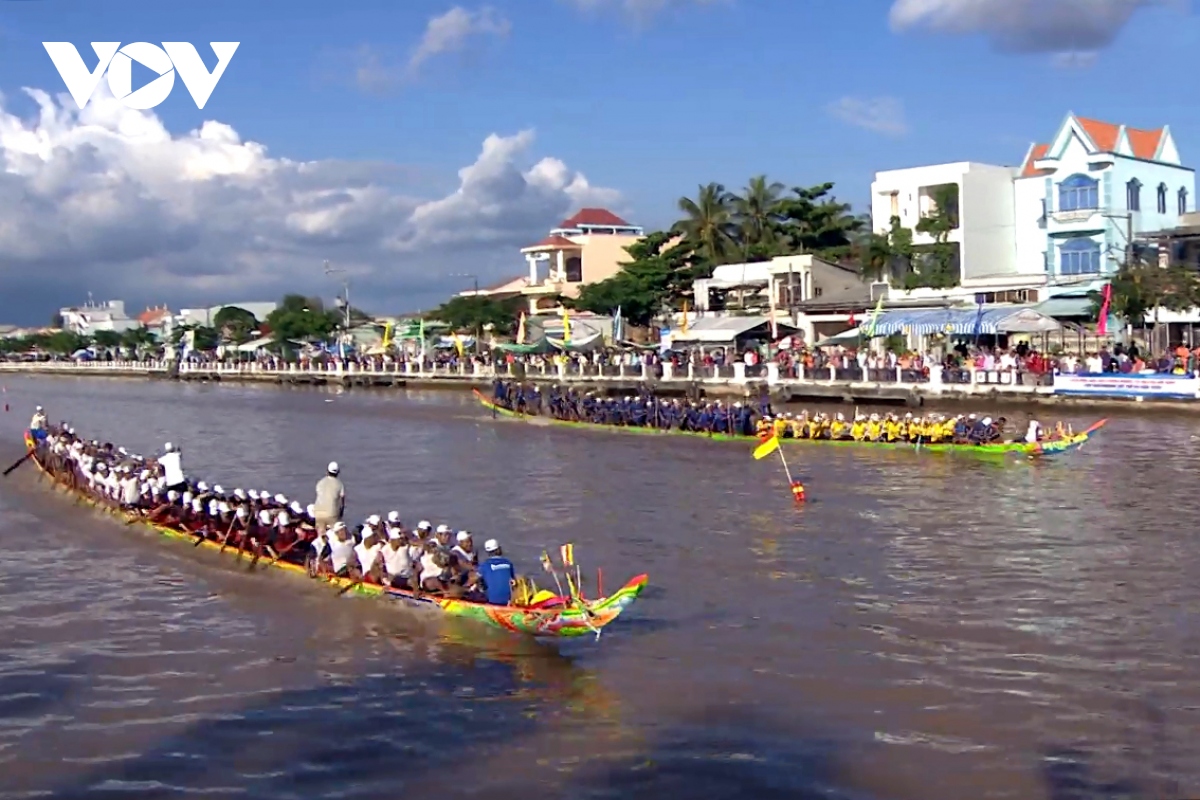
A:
(282, 552)
(225, 541)
(18, 463)
(351, 586)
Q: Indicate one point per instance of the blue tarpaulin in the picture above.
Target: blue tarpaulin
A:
(962, 321)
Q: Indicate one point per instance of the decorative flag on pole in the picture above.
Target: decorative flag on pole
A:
(567, 551)
(421, 336)
(1102, 322)
(685, 316)
(387, 335)
(566, 326)
(875, 318)
(979, 298)
(768, 446)
(771, 445)
(521, 329)
(458, 345)
(618, 326)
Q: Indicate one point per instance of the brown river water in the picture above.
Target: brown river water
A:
(927, 627)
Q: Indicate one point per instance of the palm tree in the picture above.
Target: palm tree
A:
(757, 212)
(708, 224)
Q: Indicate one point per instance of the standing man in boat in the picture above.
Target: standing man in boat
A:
(330, 504)
(171, 462)
(37, 425)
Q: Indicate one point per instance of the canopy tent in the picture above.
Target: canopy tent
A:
(726, 330)
(843, 339)
(963, 321)
(542, 345)
(578, 344)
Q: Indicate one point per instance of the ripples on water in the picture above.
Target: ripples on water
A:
(927, 627)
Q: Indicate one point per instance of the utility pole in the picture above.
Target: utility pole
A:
(331, 271)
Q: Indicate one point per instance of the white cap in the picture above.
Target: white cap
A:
(296, 507)
(424, 525)
(168, 447)
(264, 517)
(987, 420)
(333, 468)
(311, 510)
(281, 500)
(373, 520)
(187, 498)
(393, 533)
(970, 416)
(224, 507)
(338, 526)
(144, 474)
(239, 494)
(283, 518)
(443, 528)
(202, 486)
(264, 495)
(463, 536)
(218, 490)
(491, 545)
(241, 512)
(39, 408)
(253, 494)
(393, 516)
(122, 451)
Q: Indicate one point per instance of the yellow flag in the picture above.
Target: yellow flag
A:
(458, 345)
(387, 335)
(521, 329)
(685, 316)
(566, 327)
(766, 448)
(567, 551)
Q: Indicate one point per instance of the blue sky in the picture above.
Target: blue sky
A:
(648, 103)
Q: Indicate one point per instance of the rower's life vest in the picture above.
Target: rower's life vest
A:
(857, 431)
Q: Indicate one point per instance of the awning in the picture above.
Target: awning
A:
(852, 336)
(963, 321)
(1066, 307)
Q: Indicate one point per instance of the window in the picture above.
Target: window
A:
(1182, 201)
(1133, 195)
(1079, 257)
(1162, 198)
(1078, 193)
(574, 269)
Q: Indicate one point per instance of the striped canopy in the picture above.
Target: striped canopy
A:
(963, 321)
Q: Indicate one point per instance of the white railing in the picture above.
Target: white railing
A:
(938, 382)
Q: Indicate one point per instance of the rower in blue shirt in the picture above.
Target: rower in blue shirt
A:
(496, 575)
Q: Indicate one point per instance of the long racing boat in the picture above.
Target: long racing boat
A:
(566, 618)
(999, 449)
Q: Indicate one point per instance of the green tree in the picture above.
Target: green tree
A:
(139, 339)
(660, 274)
(107, 340)
(936, 265)
(475, 313)
(236, 324)
(757, 213)
(709, 224)
(64, 342)
(814, 221)
(299, 318)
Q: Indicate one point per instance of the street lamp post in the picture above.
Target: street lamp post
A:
(345, 299)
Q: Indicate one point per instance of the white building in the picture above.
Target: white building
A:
(205, 316)
(91, 317)
(1058, 223)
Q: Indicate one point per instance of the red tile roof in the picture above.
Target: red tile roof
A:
(1105, 134)
(1038, 152)
(553, 241)
(599, 217)
(153, 315)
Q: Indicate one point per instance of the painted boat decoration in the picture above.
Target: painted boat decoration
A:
(569, 621)
(1000, 449)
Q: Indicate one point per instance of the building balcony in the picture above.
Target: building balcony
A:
(1076, 220)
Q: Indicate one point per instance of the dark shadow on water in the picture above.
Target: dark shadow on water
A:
(475, 724)
(1069, 775)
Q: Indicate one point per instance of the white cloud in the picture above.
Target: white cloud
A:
(108, 200)
(641, 10)
(451, 31)
(880, 114)
(1043, 26)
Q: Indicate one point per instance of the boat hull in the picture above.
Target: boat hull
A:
(563, 622)
(999, 450)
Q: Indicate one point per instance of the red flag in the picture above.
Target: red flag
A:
(1102, 322)
(853, 322)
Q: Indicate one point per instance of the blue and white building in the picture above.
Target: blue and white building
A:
(1058, 224)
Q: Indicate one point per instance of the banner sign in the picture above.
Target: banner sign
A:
(1116, 384)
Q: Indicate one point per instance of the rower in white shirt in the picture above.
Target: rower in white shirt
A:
(171, 462)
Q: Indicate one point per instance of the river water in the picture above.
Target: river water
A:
(926, 627)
